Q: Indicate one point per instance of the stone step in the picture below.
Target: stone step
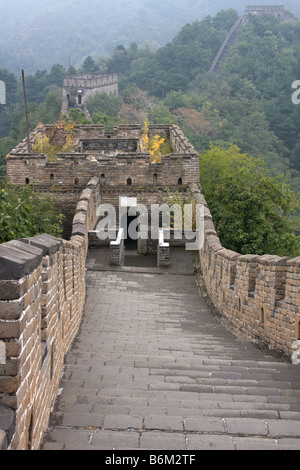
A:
(152, 362)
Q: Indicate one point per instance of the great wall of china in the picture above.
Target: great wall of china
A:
(42, 279)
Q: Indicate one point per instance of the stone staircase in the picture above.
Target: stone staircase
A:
(153, 368)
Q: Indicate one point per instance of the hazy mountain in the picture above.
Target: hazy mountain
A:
(36, 34)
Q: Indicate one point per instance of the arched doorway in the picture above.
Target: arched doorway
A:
(128, 222)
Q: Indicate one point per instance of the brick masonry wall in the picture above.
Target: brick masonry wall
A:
(72, 171)
(257, 296)
(88, 84)
(42, 280)
(42, 295)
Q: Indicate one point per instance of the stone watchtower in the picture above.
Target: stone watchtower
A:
(78, 87)
(123, 167)
(277, 10)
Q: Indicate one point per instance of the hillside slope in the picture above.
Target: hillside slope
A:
(35, 35)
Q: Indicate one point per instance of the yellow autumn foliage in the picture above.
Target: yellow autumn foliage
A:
(42, 143)
(153, 146)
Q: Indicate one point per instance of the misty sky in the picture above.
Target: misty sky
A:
(36, 34)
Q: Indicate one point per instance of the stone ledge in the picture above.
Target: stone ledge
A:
(92, 184)
(18, 245)
(48, 244)
(15, 264)
(21, 257)
(78, 229)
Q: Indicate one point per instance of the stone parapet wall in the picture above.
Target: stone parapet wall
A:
(42, 296)
(116, 250)
(75, 170)
(90, 80)
(78, 87)
(72, 171)
(179, 141)
(257, 296)
(163, 251)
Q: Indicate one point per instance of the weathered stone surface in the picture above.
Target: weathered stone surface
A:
(48, 244)
(15, 264)
(3, 440)
(153, 368)
(7, 425)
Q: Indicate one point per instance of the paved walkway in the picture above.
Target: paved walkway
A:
(152, 368)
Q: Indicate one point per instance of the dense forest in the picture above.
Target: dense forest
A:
(248, 105)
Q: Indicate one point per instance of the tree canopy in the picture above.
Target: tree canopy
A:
(25, 213)
(253, 212)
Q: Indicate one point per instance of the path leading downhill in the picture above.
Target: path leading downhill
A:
(153, 368)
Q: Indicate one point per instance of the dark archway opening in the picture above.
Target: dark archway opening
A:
(131, 236)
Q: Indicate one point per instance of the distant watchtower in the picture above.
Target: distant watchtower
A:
(78, 87)
(276, 10)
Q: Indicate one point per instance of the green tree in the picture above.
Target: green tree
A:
(89, 65)
(57, 75)
(104, 103)
(51, 107)
(120, 61)
(252, 211)
(160, 114)
(25, 213)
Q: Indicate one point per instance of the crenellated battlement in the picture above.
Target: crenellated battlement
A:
(77, 88)
(115, 158)
(257, 296)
